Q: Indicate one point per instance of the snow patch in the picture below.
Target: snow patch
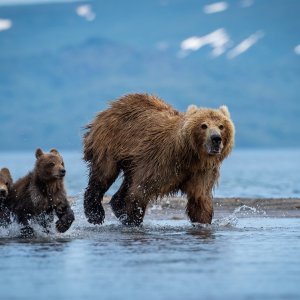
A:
(297, 49)
(219, 41)
(5, 24)
(85, 11)
(245, 45)
(215, 7)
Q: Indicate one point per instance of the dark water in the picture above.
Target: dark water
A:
(235, 258)
(257, 258)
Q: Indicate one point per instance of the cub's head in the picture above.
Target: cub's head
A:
(211, 130)
(5, 183)
(49, 166)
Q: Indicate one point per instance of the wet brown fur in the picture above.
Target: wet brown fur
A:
(160, 151)
(41, 192)
(6, 183)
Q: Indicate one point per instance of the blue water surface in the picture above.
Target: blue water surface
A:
(256, 259)
(234, 258)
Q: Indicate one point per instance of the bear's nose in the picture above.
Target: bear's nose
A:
(216, 139)
(2, 193)
(62, 172)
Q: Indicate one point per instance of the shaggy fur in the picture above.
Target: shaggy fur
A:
(40, 193)
(6, 183)
(160, 151)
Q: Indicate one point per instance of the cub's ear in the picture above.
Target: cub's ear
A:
(191, 109)
(224, 110)
(39, 152)
(6, 173)
(54, 151)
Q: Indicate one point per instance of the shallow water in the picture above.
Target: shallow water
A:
(238, 257)
(257, 258)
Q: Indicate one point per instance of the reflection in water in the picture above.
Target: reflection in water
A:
(205, 234)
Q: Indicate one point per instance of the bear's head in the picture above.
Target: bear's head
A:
(5, 183)
(49, 166)
(211, 131)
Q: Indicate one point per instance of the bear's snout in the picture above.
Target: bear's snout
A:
(216, 139)
(62, 172)
(214, 145)
(3, 193)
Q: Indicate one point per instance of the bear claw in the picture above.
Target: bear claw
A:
(96, 219)
(95, 215)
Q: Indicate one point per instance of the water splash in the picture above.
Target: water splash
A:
(230, 221)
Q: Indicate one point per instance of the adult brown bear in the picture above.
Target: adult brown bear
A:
(160, 151)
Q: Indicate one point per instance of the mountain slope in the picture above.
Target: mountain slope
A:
(57, 69)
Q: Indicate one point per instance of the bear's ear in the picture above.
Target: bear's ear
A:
(39, 152)
(191, 109)
(54, 151)
(224, 110)
(6, 173)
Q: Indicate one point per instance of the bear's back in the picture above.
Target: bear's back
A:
(141, 103)
(129, 125)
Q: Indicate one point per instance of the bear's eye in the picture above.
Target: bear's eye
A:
(204, 126)
(51, 164)
(221, 127)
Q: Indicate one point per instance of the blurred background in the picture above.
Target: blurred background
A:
(62, 61)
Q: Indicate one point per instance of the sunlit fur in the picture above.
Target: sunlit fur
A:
(160, 151)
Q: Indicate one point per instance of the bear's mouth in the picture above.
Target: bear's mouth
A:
(59, 176)
(214, 150)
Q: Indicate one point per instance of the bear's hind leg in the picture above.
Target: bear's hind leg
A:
(134, 206)
(117, 201)
(99, 183)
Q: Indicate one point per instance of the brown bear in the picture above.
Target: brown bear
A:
(5, 189)
(161, 151)
(40, 193)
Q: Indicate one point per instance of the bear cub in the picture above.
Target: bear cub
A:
(41, 193)
(5, 189)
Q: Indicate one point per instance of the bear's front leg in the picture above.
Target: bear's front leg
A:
(65, 217)
(4, 216)
(200, 209)
(93, 208)
(45, 220)
(26, 231)
(97, 186)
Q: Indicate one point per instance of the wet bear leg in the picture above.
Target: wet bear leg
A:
(117, 201)
(99, 183)
(200, 209)
(45, 220)
(134, 208)
(26, 230)
(65, 217)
